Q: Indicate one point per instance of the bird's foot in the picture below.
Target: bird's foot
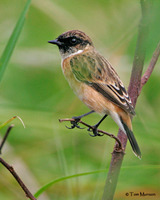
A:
(75, 123)
(94, 130)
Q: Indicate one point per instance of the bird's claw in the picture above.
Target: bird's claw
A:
(74, 123)
(94, 131)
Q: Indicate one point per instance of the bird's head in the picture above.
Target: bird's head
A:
(71, 42)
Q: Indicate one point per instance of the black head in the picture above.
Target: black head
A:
(72, 41)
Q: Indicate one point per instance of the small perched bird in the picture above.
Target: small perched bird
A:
(95, 82)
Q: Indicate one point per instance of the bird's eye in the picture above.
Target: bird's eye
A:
(73, 41)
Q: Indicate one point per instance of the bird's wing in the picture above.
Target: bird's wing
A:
(94, 70)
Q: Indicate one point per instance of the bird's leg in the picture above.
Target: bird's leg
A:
(77, 119)
(94, 128)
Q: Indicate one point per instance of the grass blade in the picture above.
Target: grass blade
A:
(13, 40)
(9, 120)
(45, 187)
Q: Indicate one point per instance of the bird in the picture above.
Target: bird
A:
(95, 82)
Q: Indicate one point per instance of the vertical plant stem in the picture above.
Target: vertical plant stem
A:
(112, 176)
(138, 63)
(133, 90)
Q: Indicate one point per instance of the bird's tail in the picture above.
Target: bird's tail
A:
(131, 139)
(123, 120)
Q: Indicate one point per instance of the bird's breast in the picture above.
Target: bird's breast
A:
(76, 85)
(93, 99)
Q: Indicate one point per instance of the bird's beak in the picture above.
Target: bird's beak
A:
(58, 43)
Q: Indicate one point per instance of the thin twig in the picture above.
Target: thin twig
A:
(151, 66)
(5, 137)
(118, 149)
(11, 169)
(18, 179)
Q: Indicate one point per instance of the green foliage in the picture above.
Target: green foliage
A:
(51, 184)
(45, 187)
(12, 41)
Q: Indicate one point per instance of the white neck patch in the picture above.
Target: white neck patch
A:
(72, 54)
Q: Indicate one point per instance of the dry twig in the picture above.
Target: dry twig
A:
(18, 179)
(11, 169)
(119, 147)
(5, 137)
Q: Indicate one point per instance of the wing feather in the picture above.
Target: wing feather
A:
(94, 70)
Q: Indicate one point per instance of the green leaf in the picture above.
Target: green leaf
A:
(45, 187)
(9, 120)
(13, 40)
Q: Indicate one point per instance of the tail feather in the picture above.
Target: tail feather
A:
(124, 122)
(132, 140)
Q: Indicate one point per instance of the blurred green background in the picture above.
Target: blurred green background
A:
(34, 88)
